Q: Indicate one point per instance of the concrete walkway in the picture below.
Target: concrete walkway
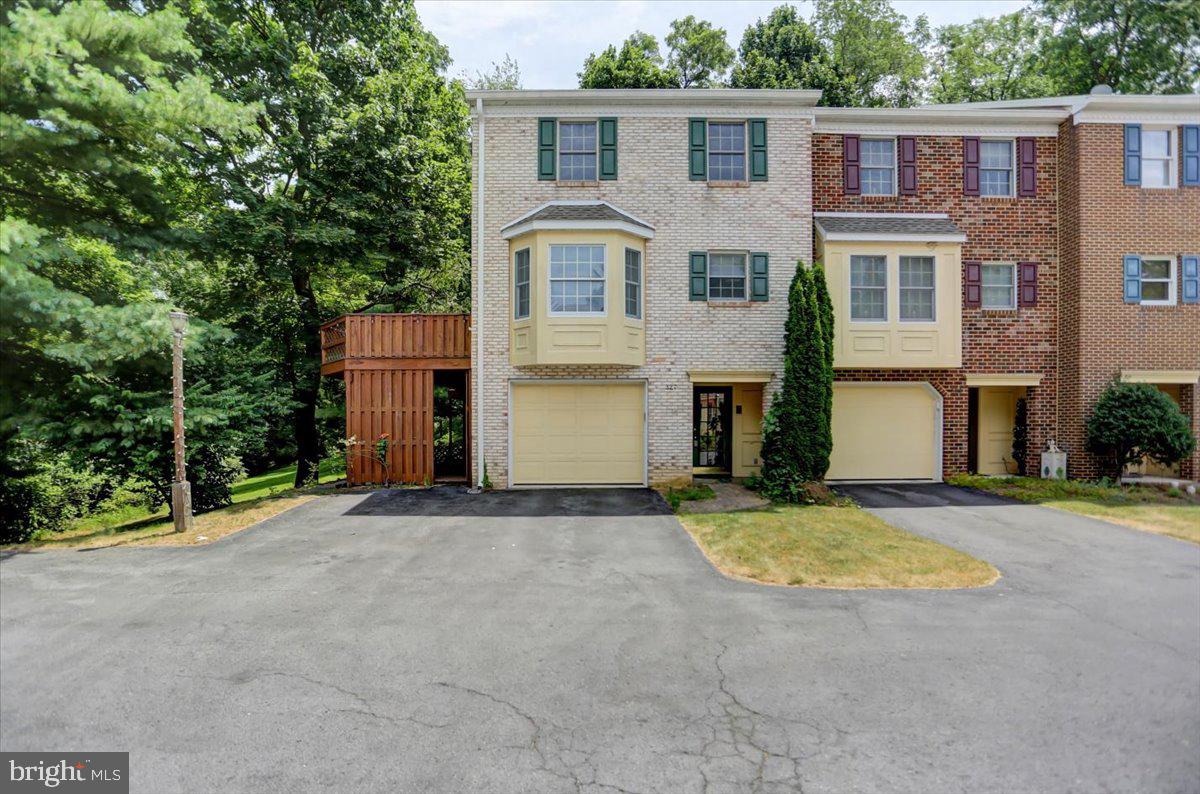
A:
(577, 641)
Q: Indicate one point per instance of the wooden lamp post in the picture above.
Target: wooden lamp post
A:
(181, 489)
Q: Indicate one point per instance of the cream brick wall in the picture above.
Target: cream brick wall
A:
(681, 335)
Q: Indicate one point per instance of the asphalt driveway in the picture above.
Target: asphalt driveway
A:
(578, 641)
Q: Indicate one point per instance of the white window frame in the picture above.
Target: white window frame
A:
(527, 284)
(895, 165)
(900, 288)
(1012, 268)
(745, 255)
(558, 154)
(1012, 167)
(887, 266)
(708, 153)
(641, 280)
(1172, 160)
(550, 281)
(1172, 278)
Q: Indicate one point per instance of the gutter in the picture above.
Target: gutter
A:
(477, 319)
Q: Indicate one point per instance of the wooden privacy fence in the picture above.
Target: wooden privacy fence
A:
(389, 363)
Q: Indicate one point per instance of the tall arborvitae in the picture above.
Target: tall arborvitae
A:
(825, 312)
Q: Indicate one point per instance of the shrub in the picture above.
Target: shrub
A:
(1136, 420)
(1020, 444)
(43, 492)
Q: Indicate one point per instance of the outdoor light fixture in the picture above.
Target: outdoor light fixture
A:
(181, 489)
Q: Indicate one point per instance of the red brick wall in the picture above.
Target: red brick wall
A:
(1102, 219)
(998, 229)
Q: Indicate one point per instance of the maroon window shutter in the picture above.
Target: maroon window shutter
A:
(970, 166)
(972, 284)
(908, 166)
(850, 161)
(1027, 147)
(1028, 282)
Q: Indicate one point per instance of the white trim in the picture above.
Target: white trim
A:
(900, 289)
(637, 102)
(934, 129)
(558, 150)
(1171, 280)
(1178, 376)
(1015, 379)
(920, 215)
(580, 381)
(1123, 117)
(618, 226)
(850, 290)
(745, 255)
(717, 377)
(708, 152)
(1172, 160)
(889, 237)
(1012, 166)
(895, 164)
(938, 422)
(1014, 283)
(647, 232)
(477, 317)
(550, 280)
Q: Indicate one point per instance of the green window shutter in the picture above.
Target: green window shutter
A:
(760, 288)
(547, 151)
(697, 150)
(608, 149)
(698, 276)
(758, 151)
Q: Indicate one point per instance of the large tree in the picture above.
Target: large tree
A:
(990, 59)
(783, 51)
(699, 54)
(1135, 46)
(638, 64)
(874, 50)
(357, 184)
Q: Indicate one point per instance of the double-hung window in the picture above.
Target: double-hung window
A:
(577, 279)
(577, 151)
(521, 284)
(1158, 280)
(998, 282)
(868, 288)
(878, 166)
(996, 168)
(1158, 158)
(917, 290)
(727, 277)
(726, 151)
(633, 284)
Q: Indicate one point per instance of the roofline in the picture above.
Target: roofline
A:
(577, 226)
(782, 97)
(576, 203)
(1163, 103)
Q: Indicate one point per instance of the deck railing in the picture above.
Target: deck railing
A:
(394, 336)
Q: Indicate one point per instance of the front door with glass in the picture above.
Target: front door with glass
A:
(711, 424)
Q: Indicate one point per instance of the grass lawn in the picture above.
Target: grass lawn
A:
(254, 499)
(1142, 507)
(837, 545)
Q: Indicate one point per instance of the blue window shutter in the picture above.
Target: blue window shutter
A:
(1133, 279)
(1133, 154)
(1191, 154)
(698, 276)
(759, 280)
(547, 151)
(608, 149)
(697, 150)
(1191, 278)
(758, 150)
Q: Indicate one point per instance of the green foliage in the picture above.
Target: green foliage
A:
(688, 493)
(783, 51)
(504, 75)
(699, 54)
(1136, 420)
(991, 59)
(1020, 444)
(1135, 46)
(638, 64)
(797, 434)
(874, 51)
(41, 491)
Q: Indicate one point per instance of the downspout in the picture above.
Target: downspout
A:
(477, 320)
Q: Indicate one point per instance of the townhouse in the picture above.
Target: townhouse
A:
(990, 265)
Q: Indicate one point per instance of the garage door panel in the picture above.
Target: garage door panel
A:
(884, 432)
(583, 433)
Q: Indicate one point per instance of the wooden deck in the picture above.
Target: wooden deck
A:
(389, 362)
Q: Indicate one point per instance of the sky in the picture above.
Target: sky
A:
(550, 38)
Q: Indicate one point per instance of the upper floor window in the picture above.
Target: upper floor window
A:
(996, 168)
(521, 284)
(868, 288)
(577, 279)
(998, 286)
(917, 288)
(878, 164)
(1158, 158)
(726, 151)
(633, 284)
(577, 151)
(1158, 280)
(727, 277)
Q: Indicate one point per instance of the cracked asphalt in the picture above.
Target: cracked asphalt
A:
(577, 641)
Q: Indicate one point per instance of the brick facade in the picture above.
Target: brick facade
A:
(1016, 229)
(681, 335)
(1102, 219)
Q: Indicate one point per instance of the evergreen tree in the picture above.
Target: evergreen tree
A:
(824, 308)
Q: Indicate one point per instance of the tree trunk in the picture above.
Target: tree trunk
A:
(306, 387)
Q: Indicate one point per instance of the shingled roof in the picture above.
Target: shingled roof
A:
(884, 226)
(587, 214)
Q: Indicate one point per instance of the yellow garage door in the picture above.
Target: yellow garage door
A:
(578, 434)
(884, 432)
